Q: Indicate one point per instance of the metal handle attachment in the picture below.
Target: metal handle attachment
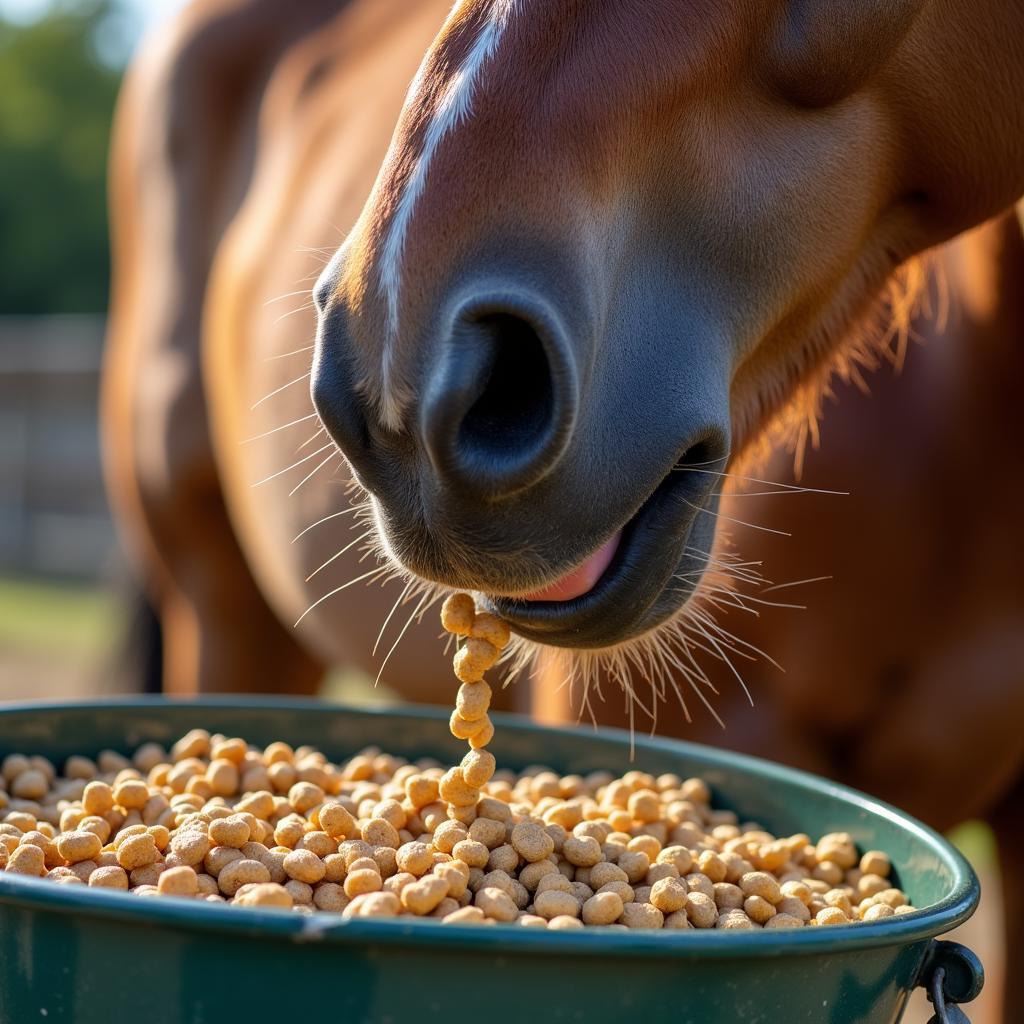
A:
(952, 974)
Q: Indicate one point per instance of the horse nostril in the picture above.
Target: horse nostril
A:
(515, 407)
(499, 410)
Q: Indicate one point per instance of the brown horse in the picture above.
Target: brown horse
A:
(606, 251)
(904, 669)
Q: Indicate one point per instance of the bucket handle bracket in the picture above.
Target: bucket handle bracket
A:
(952, 974)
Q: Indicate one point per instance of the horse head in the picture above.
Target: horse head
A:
(610, 245)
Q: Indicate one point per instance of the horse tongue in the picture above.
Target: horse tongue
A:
(581, 579)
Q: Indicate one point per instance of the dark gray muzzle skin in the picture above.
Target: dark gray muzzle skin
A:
(544, 422)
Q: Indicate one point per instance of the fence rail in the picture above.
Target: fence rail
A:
(54, 518)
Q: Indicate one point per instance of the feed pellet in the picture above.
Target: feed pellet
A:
(217, 819)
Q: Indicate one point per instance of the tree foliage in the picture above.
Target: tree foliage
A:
(56, 101)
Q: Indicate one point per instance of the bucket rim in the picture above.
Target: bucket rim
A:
(693, 944)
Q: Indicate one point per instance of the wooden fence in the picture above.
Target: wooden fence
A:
(53, 512)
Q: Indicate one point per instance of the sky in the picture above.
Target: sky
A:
(148, 11)
(117, 38)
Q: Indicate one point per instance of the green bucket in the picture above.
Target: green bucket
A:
(96, 957)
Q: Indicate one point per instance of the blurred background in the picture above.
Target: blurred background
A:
(67, 603)
(67, 600)
(64, 593)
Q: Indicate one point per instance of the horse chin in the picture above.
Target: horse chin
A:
(659, 665)
(661, 662)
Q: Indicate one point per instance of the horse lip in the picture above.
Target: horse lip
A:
(652, 546)
(576, 582)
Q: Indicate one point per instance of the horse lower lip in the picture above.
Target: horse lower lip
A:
(581, 579)
(650, 552)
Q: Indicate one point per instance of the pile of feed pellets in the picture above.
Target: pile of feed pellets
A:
(217, 819)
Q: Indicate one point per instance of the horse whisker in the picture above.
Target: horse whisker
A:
(728, 662)
(405, 628)
(322, 430)
(287, 295)
(338, 555)
(740, 522)
(294, 465)
(278, 391)
(333, 515)
(409, 585)
(313, 472)
(344, 586)
(294, 352)
(797, 488)
(726, 635)
(797, 583)
(284, 426)
(305, 307)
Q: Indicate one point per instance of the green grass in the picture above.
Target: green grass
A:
(75, 622)
(350, 686)
(66, 622)
(974, 839)
(42, 618)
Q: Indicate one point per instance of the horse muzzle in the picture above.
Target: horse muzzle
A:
(563, 465)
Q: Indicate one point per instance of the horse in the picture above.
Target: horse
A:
(580, 276)
(892, 615)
